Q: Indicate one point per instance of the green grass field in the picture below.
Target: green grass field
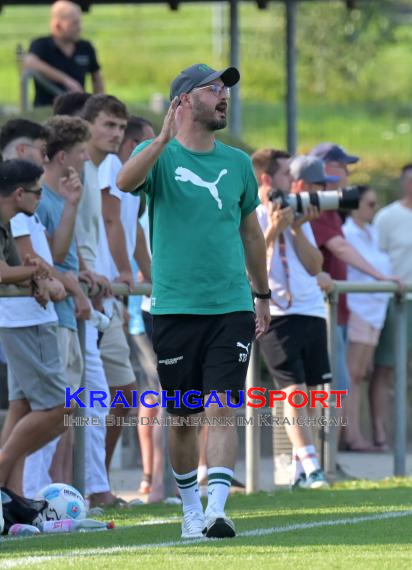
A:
(360, 525)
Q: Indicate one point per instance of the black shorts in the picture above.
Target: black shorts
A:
(295, 350)
(202, 352)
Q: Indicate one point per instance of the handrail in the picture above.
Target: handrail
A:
(120, 289)
(371, 287)
(26, 75)
(400, 347)
(252, 435)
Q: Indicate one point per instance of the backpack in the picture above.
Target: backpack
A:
(18, 509)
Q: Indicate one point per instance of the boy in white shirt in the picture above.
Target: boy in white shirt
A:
(28, 333)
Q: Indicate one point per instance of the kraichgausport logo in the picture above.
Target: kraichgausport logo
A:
(254, 398)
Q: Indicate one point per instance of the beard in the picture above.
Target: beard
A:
(204, 115)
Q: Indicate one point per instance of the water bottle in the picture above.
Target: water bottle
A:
(72, 525)
(99, 320)
(92, 525)
(23, 530)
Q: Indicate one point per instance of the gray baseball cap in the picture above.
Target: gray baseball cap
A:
(200, 74)
(311, 170)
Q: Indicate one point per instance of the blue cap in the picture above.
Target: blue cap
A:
(330, 152)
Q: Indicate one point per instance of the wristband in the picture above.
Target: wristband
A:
(267, 295)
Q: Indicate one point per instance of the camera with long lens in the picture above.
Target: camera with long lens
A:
(341, 199)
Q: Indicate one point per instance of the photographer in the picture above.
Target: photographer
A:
(295, 347)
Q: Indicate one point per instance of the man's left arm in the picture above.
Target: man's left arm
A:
(141, 254)
(255, 254)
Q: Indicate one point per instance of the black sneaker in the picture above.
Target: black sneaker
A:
(218, 525)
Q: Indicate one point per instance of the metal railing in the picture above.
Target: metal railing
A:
(26, 75)
(253, 379)
(79, 457)
(329, 440)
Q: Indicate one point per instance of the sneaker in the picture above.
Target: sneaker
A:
(193, 524)
(218, 525)
(316, 480)
(299, 483)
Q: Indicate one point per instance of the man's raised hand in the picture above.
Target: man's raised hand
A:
(170, 127)
(71, 187)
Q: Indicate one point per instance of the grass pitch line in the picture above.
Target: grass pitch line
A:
(29, 561)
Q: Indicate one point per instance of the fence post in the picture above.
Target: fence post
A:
(252, 429)
(79, 449)
(169, 484)
(235, 124)
(401, 371)
(329, 441)
(23, 79)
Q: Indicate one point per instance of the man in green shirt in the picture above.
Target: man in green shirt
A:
(202, 196)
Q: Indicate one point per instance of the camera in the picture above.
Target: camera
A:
(341, 199)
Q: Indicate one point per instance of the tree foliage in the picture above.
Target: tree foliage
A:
(342, 55)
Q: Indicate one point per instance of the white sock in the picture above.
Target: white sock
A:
(189, 490)
(218, 487)
(308, 458)
(201, 473)
(296, 469)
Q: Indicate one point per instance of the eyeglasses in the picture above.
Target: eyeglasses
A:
(42, 151)
(217, 90)
(36, 191)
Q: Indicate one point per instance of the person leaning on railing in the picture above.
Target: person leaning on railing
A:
(337, 252)
(367, 315)
(63, 58)
(36, 377)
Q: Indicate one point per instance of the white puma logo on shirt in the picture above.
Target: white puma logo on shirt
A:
(186, 175)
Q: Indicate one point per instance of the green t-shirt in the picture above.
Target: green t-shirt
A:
(196, 203)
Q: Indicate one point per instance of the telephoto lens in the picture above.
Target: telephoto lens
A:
(341, 199)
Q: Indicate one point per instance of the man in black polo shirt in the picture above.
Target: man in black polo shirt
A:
(63, 58)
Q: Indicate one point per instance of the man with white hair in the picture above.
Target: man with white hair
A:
(63, 58)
